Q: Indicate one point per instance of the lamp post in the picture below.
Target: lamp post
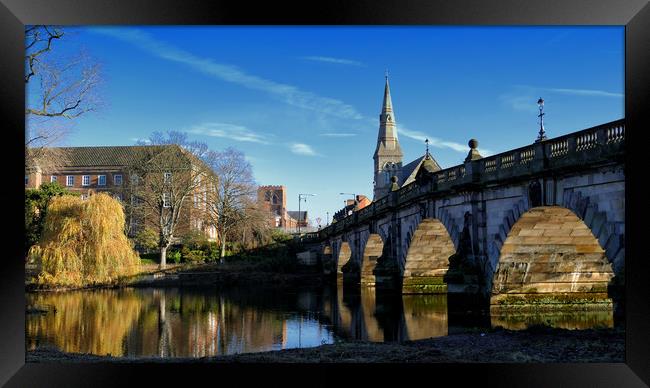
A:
(327, 219)
(542, 134)
(300, 198)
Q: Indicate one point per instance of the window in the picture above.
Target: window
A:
(168, 177)
(26, 179)
(101, 180)
(166, 200)
(135, 179)
(196, 200)
(117, 180)
(85, 180)
(69, 180)
(53, 179)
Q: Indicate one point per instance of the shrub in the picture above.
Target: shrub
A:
(195, 240)
(174, 255)
(194, 256)
(146, 239)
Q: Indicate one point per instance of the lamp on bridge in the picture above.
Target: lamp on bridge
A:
(542, 134)
(300, 198)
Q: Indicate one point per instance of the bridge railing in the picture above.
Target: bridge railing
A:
(576, 149)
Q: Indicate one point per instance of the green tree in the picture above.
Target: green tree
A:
(36, 205)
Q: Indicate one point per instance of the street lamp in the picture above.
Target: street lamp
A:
(300, 198)
(542, 135)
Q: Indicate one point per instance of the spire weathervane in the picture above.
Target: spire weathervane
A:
(386, 74)
(427, 143)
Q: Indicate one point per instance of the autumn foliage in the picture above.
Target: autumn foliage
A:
(83, 243)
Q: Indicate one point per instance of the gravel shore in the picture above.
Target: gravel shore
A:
(535, 345)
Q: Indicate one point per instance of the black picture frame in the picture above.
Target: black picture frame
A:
(634, 14)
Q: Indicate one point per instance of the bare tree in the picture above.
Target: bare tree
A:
(236, 190)
(165, 179)
(59, 89)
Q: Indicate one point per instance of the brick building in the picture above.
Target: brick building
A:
(274, 199)
(109, 169)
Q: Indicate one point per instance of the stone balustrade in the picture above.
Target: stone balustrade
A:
(598, 145)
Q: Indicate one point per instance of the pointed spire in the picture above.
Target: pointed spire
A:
(387, 107)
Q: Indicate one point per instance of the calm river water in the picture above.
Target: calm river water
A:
(198, 322)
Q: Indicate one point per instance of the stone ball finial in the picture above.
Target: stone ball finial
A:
(473, 144)
(393, 179)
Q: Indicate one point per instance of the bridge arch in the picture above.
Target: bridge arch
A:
(345, 254)
(427, 259)
(372, 251)
(327, 259)
(551, 256)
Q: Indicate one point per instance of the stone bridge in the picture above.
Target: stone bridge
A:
(540, 223)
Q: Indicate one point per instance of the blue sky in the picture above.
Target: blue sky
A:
(303, 102)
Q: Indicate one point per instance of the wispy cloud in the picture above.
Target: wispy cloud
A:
(302, 149)
(439, 143)
(228, 131)
(140, 140)
(339, 61)
(331, 134)
(587, 92)
(521, 100)
(524, 97)
(288, 93)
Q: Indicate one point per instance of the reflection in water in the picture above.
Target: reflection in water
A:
(169, 323)
(425, 316)
(209, 322)
(577, 319)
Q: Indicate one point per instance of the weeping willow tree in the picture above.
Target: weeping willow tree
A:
(83, 242)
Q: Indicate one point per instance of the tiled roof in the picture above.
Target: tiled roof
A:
(106, 155)
(409, 171)
(295, 214)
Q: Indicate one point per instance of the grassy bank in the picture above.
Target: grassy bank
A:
(538, 345)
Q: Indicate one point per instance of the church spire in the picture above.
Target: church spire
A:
(388, 154)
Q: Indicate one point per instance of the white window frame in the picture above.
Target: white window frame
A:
(167, 177)
(135, 179)
(99, 180)
(117, 177)
(53, 178)
(85, 180)
(67, 180)
(166, 200)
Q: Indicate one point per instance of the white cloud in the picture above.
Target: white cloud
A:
(302, 149)
(139, 140)
(331, 134)
(288, 93)
(439, 143)
(340, 61)
(587, 92)
(228, 131)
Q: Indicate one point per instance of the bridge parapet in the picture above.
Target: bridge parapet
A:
(592, 146)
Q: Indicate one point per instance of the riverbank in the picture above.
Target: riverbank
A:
(199, 275)
(535, 345)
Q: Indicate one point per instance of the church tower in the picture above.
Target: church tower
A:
(388, 154)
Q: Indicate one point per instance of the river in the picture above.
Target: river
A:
(199, 322)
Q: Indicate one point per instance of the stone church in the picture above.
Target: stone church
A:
(388, 154)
